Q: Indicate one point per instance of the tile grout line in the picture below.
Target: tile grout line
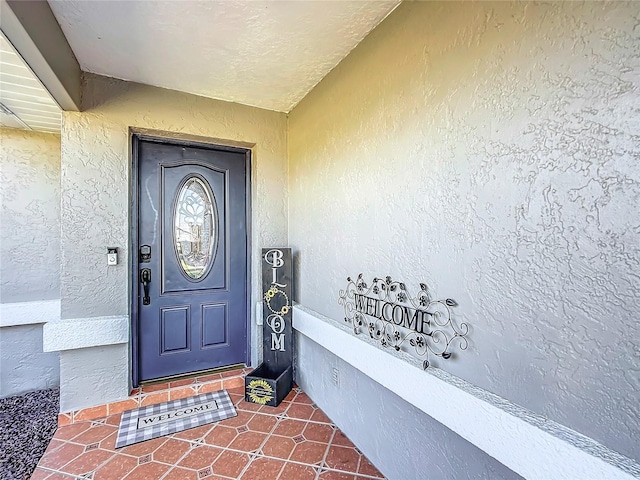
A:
(258, 453)
(284, 465)
(101, 465)
(175, 464)
(324, 458)
(320, 468)
(259, 449)
(60, 472)
(140, 396)
(192, 447)
(289, 460)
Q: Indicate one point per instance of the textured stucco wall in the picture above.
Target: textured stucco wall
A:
(397, 437)
(29, 256)
(96, 175)
(490, 150)
(93, 376)
(29, 216)
(23, 365)
(95, 182)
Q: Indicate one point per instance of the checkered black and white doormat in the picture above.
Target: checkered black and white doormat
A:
(165, 418)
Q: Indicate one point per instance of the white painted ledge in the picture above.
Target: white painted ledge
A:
(530, 445)
(29, 313)
(75, 333)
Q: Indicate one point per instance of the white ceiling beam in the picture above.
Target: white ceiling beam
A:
(34, 32)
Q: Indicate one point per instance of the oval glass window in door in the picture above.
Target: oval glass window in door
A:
(194, 234)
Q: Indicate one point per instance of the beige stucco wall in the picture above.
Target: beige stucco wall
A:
(96, 167)
(29, 215)
(29, 257)
(96, 202)
(490, 150)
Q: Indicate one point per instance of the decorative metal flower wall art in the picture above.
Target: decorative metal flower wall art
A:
(416, 324)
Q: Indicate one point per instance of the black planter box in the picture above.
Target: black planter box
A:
(267, 385)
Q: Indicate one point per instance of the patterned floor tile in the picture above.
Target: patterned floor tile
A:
(243, 418)
(221, 436)
(300, 411)
(302, 397)
(366, 468)
(143, 448)
(116, 468)
(319, 416)
(332, 475)
(61, 476)
(278, 447)
(53, 444)
(343, 458)
(275, 410)
(262, 468)
(248, 441)
(248, 406)
(294, 471)
(70, 431)
(230, 464)
(109, 443)
(261, 423)
(342, 440)
(148, 471)
(318, 432)
(88, 462)
(95, 434)
(171, 451)
(113, 419)
(200, 457)
(294, 441)
(311, 453)
(178, 473)
(290, 428)
(59, 457)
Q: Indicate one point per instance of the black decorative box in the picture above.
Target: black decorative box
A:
(267, 385)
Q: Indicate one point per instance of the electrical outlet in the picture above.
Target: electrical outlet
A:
(335, 377)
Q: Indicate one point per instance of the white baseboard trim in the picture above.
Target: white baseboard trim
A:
(530, 445)
(29, 313)
(72, 333)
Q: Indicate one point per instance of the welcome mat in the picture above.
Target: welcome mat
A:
(154, 421)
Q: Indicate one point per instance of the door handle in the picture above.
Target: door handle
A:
(145, 279)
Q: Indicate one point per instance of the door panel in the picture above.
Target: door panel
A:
(192, 213)
(174, 329)
(214, 325)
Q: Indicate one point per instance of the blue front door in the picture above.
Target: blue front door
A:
(191, 286)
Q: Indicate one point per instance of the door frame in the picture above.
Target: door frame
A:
(135, 137)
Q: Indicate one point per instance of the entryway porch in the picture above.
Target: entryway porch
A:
(294, 441)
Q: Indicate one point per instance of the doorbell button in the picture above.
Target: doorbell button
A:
(112, 256)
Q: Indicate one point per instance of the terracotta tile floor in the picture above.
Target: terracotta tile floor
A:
(294, 441)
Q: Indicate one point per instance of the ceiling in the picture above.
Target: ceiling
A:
(25, 103)
(268, 54)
